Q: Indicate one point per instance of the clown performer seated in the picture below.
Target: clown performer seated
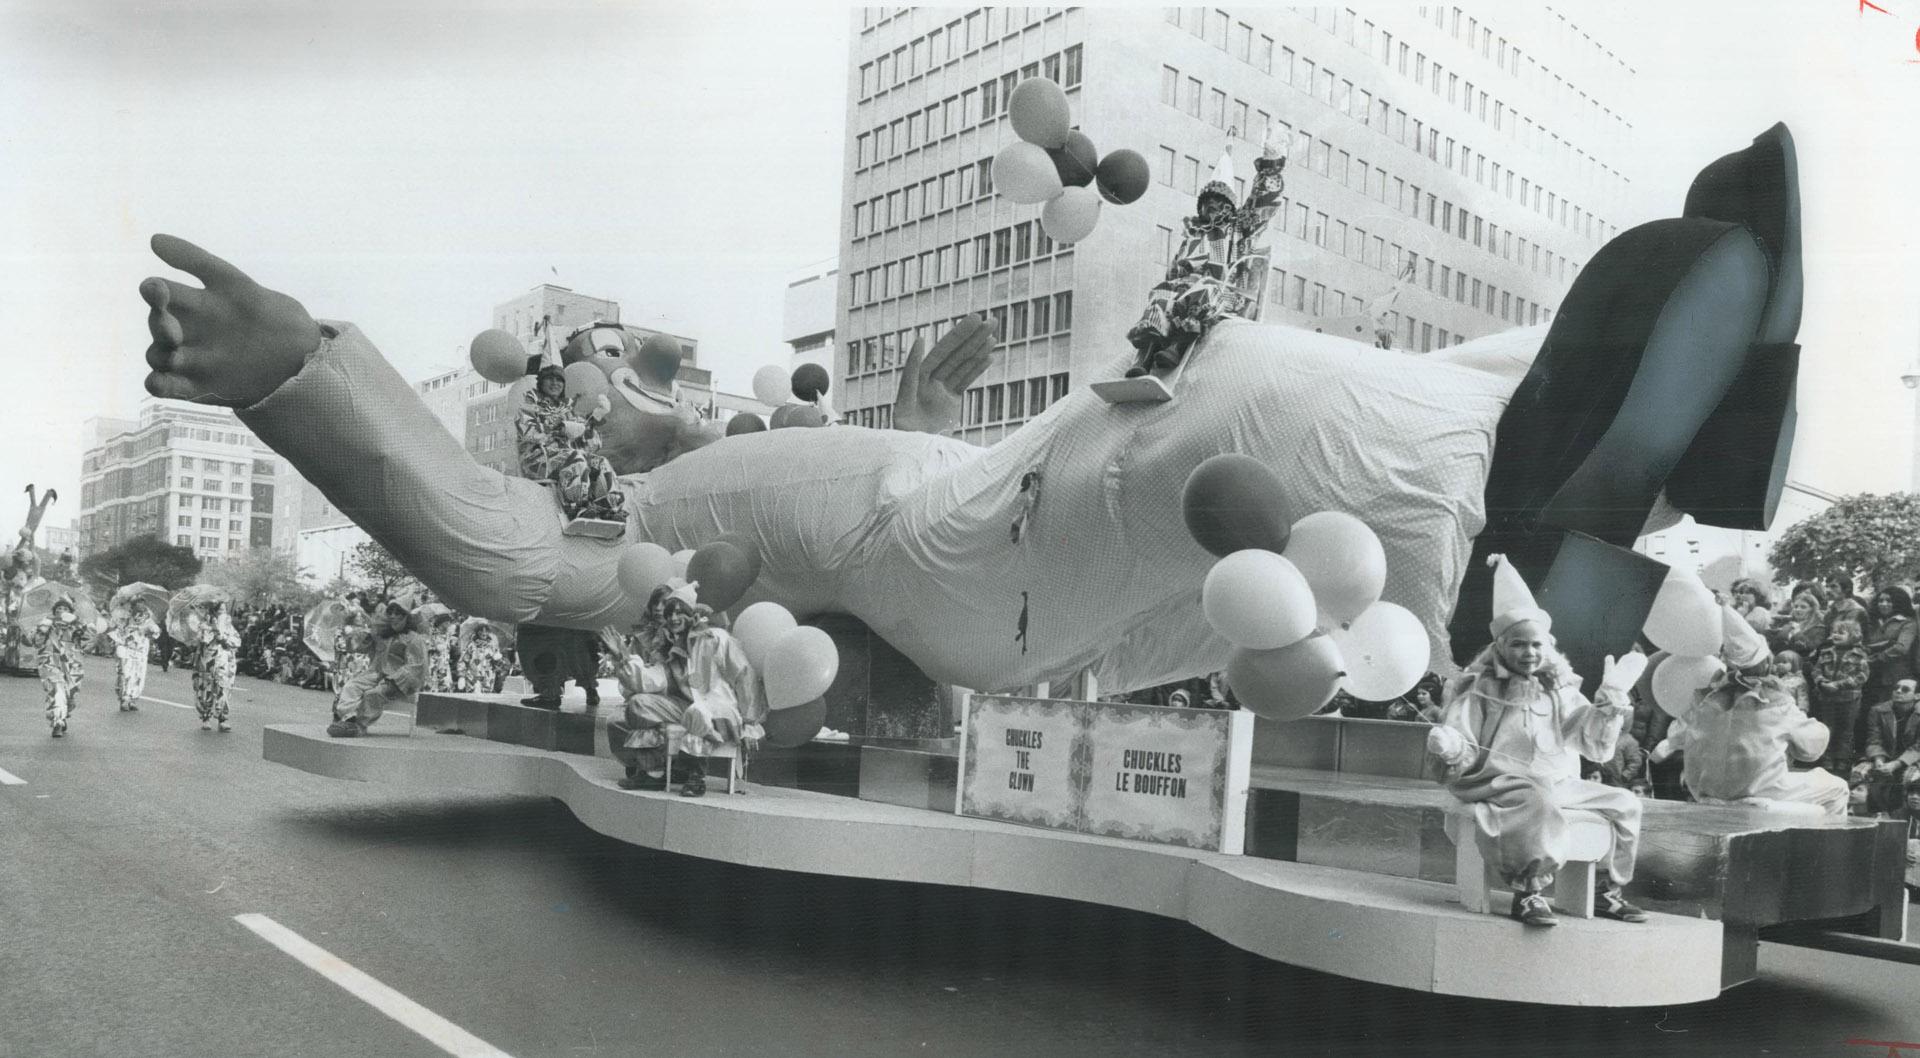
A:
(710, 692)
(393, 676)
(562, 449)
(1744, 728)
(1514, 725)
(1220, 270)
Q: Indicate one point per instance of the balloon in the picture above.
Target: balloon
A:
(1071, 217)
(1122, 177)
(745, 422)
(1386, 652)
(1075, 162)
(1233, 502)
(1684, 618)
(1038, 109)
(1025, 174)
(1343, 561)
(778, 420)
(759, 627)
(789, 728)
(644, 567)
(585, 381)
(770, 386)
(809, 381)
(1680, 679)
(680, 561)
(804, 415)
(498, 356)
(658, 361)
(1257, 600)
(748, 546)
(723, 572)
(800, 667)
(1288, 683)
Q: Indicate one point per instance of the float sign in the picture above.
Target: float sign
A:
(1173, 776)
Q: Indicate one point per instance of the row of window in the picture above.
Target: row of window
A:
(186, 522)
(214, 484)
(955, 187)
(1303, 74)
(1012, 401)
(945, 44)
(963, 110)
(1303, 295)
(942, 264)
(1539, 81)
(209, 503)
(877, 418)
(207, 543)
(1379, 115)
(1015, 321)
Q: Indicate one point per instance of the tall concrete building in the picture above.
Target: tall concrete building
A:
(807, 317)
(1476, 153)
(190, 474)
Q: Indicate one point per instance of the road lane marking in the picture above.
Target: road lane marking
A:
(163, 701)
(8, 778)
(432, 1027)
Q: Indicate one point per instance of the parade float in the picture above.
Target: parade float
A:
(1083, 551)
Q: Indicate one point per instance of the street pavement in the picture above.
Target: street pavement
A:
(131, 846)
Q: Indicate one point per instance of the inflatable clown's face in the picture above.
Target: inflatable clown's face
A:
(646, 425)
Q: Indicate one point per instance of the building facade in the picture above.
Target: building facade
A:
(807, 317)
(1470, 161)
(189, 474)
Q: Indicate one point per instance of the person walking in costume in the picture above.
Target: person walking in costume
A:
(1743, 730)
(56, 642)
(440, 655)
(1513, 730)
(133, 638)
(482, 665)
(394, 675)
(215, 659)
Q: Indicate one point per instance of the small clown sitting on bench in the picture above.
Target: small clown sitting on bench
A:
(1514, 726)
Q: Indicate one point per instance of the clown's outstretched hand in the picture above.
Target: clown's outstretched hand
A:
(231, 343)
(928, 400)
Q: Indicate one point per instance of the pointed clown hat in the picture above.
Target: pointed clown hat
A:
(1512, 599)
(685, 590)
(1741, 644)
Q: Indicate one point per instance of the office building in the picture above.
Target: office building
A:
(1476, 154)
(807, 318)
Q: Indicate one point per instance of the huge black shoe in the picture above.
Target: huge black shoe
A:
(542, 701)
(1611, 903)
(695, 784)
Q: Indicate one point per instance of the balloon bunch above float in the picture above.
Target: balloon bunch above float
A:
(1299, 599)
(795, 664)
(774, 387)
(1685, 625)
(1055, 166)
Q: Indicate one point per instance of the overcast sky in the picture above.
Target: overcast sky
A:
(408, 165)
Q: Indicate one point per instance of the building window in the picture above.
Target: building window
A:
(1193, 97)
(1059, 385)
(1036, 396)
(976, 407)
(1073, 72)
(1167, 162)
(1063, 312)
(1169, 86)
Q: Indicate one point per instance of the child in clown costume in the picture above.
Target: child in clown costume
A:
(563, 449)
(133, 637)
(1513, 728)
(56, 642)
(1220, 270)
(1743, 729)
(396, 671)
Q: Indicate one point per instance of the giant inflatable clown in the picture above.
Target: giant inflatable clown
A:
(1675, 337)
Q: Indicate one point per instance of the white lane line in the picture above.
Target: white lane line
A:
(163, 701)
(8, 778)
(432, 1027)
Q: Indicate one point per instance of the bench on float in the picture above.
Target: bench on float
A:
(1589, 844)
(731, 752)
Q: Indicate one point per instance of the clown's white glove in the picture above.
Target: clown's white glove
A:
(574, 429)
(1620, 674)
(1446, 744)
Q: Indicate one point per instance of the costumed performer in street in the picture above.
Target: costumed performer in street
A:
(440, 655)
(133, 638)
(1513, 730)
(1743, 730)
(712, 693)
(57, 644)
(482, 665)
(396, 670)
(216, 653)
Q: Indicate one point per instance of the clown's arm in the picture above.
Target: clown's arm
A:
(1679, 736)
(1807, 738)
(1452, 742)
(1593, 728)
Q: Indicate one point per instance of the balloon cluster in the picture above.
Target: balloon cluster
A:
(1055, 166)
(1685, 625)
(1299, 601)
(771, 386)
(795, 664)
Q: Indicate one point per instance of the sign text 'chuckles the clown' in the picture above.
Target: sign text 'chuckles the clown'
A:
(1175, 776)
